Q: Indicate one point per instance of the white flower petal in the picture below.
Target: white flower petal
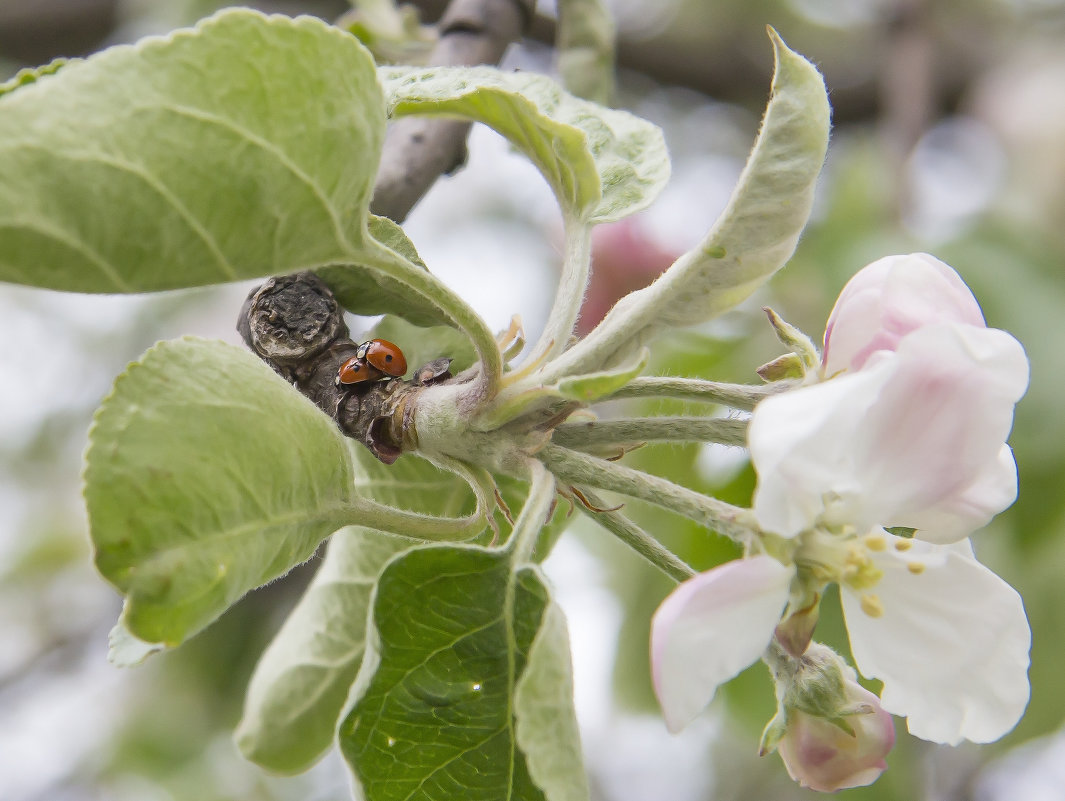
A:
(710, 628)
(971, 507)
(934, 436)
(915, 438)
(951, 644)
(887, 300)
(802, 447)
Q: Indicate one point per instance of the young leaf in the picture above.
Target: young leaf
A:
(432, 713)
(246, 146)
(602, 164)
(752, 239)
(546, 725)
(206, 476)
(25, 77)
(299, 686)
(593, 386)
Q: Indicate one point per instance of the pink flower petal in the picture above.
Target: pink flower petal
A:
(887, 300)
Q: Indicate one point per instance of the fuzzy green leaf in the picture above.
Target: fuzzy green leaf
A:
(433, 710)
(206, 476)
(246, 146)
(602, 164)
(547, 725)
(299, 686)
(759, 228)
(591, 387)
(752, 239)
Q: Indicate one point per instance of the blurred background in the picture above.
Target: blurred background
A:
(949, 137)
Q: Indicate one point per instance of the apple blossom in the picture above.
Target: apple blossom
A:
(820, 755)
(911, 430)
(906, 429)
(948, 637)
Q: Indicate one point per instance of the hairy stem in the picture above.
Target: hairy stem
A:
(570, 293)
(534, 513)
(722, 430)
(736, 396)
(460, 313)
(363, 512)
(637, 539)
(576, 468)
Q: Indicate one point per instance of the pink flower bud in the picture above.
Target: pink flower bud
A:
(887, 300)
(822, 756)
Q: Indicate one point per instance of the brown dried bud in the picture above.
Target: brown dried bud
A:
(290, 319)
(295, 325)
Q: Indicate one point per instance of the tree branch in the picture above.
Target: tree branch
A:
(418, 150)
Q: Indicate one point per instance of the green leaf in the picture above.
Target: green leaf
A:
(759, 228)
(25, 77)
(366, 291)
(752, 239)
(593, 386)
(432, 713)
(206, 476)
(125, 650)
(298, 690)
(299, 686)
(246, 146)
(602, 164)
(547, 725)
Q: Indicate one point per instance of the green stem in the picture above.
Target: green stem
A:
(572, 467)
(637, 539)
(534, 514)
(421, 281)
(572, 284)
(363, 512)
(737, 396)
(723, 430)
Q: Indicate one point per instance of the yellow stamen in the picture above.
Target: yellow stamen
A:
(917, 568)
(903, 545)
(871, 605)
(876, 542)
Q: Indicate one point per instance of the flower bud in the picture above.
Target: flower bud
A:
(830, 731)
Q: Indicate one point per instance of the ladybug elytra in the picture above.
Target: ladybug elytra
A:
(375, 359)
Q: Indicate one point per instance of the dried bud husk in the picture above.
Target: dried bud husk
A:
(295, 325)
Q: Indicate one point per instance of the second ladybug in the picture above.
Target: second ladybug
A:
(375, 359)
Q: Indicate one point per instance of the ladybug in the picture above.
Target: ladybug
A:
(375, 359)
(356, 371)
(384, 355)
